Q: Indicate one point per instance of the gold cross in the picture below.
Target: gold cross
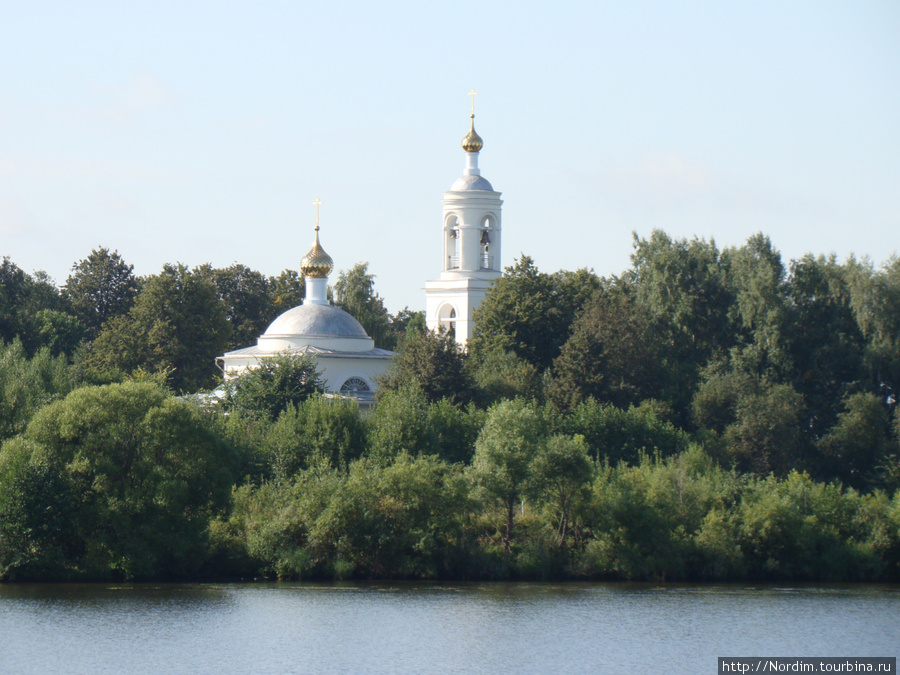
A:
(472, 94)
(317, 204)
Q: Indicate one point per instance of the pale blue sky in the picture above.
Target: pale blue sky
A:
(202, 131)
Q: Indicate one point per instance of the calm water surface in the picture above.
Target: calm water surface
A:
(417, 628)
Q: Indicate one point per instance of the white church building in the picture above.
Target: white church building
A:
(345, 355)
(470, 258)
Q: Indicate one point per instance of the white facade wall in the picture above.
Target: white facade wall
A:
(472, 238)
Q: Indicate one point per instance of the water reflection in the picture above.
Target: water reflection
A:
(379, 627)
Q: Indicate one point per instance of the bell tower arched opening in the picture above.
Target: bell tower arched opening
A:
(452, 243)
(447, 318)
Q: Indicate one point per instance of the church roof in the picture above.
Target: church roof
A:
(256, 350)
(471, 182)
(315, 321)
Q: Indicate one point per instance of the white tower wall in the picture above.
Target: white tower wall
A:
(471, 260)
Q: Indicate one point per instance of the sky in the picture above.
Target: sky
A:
(201, 132)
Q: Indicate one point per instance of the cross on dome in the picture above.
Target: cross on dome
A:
(317, 204)
(472, 142)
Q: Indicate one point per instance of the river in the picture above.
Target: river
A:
(433, 628)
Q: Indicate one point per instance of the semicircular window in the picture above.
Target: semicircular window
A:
(354, 385)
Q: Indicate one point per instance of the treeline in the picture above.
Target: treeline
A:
(110, 322)
(706, 415)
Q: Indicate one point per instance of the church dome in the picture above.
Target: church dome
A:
(315, 321)
(472, 142)
(471, 182)
(316, 263)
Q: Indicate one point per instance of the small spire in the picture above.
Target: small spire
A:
(317, 204)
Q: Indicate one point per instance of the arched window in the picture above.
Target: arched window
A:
(485, 259)
(447, 320)
(354, 385)
(452, 243)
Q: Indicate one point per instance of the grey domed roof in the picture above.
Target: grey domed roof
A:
(471, 183)
(315, 321)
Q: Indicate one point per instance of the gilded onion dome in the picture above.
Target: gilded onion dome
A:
(316, 263)
(472, 142)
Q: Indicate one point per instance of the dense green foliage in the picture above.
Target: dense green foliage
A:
(707, 415)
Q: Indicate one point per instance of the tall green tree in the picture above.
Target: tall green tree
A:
(825, 342)
(399, 424)
(316, 432)
(286, 291)
(561, 472)
(759, 421)
(613, 355)
(875, 298)
(522, 313)
(28, 303)
(248, 304)
(506, 447)
(177, 326)
(858, 442)
(27, 384)
(498, 374)
(142, 471)
(14, 288)
(756, 277)
(354, 292)
(100, 287)
(682, 284)
(433, 362)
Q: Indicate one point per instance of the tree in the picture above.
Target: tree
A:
(758, 420)
(574, 290)
(435, 363)
(759, 312)
(500, 374)
(354, 292)
(521, 314)
(613, 354)
(248, 304)
(36, 515)
(875, 299)
(561, 472)
(455, 430)
(859, 440)
(316, 432)
(142, 473)
(101, 286)
(683, 287)
(26, 385)
(399, 424)
(825, 343)
(14, 287)
(277, 383)
(60, 332)
(22, 298)
(286, 291)
(405, 324)
(504, 451)
(177, 326)
(619, 435)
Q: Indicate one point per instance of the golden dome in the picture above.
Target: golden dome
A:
(472, 142)
(316, 263)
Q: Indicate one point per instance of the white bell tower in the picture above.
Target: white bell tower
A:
(471, 246)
